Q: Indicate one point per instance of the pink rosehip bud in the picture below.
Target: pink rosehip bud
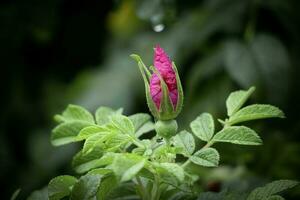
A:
(163, 88)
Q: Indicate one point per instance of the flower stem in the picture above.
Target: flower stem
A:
(141, 188)
(188, 161)
(155, 189)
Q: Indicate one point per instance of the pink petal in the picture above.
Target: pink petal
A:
(163, 64)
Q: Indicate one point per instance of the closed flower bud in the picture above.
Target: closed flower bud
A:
(163, 87)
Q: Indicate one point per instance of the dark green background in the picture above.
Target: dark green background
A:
(55, 52)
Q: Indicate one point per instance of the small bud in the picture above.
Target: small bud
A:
(166, 129)
(163, 87)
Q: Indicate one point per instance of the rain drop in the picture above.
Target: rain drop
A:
(158, 27)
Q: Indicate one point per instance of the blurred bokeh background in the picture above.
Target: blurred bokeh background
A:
(56, 52)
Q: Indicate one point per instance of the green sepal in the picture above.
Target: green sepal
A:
(151, 105)
(146, 76)
(180, 91)
(166, 110)
(144, 70)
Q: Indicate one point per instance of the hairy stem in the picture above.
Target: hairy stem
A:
(143, 193)
(155, 189)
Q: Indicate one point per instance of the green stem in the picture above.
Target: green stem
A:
(167, 141)
(136, 141)
(155, 189)
(187, 162)
(141, 188)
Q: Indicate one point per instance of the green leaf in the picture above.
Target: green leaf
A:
(126, 166)
(60, 187)
(124, 191)
(93, 141)
(172, 169)
(146, 174)
(100, 171)
(103, 140)
(186, 142)
(117, 141)
(211, 196)
(275, 197)
(271, 189)
(208, 157)
(256, 111)
(103, 114)
(147, 127)
(176, 194)
(107, 185)
(85, 162)
(273, 62)
(123, 123)
(86, 188)
(260, 61)
(132, 171)
(142, 123)
(75, 113)
(89, 131)
(240, 64)
(237, 99)
(203, 126)
(139, 119)
(15, 194)
(238, 135)
(145, 150)
(39, 194)
(67, 132)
